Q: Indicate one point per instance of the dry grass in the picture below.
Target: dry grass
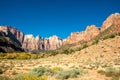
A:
(91, 59)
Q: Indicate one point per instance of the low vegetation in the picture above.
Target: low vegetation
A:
(42, 73)
(73, 73)
(111, 72)
(22, 55)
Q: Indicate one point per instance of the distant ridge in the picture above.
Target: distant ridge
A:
(30, 43)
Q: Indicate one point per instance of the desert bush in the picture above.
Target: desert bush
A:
(56, 69)
(111, 72)
(112, 36)
(2, 55)
(84, 46)
(37, 71)
(41, 71)
(65, 52)
(101, 72)
(23, 56)
(95, 42)
(49, 72)
(69, 74)
(30, 77)
(10, 56)
(119, 34)
(1, 71)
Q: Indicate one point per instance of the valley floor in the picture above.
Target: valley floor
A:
(92, 59)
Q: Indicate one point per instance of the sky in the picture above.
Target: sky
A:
(55, 17)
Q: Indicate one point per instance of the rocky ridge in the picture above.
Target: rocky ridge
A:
(110, 26)
(38, 43)
(29, 42)
(18, 34)
(8, 42)
(88, 34)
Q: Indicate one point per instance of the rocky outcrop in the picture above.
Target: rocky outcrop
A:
(112, 20)
(28, 42)
(32, 43)
(110, 26)
(90, 32)
(8, 42)
(38, 43)
(18, 34)
(55, 42)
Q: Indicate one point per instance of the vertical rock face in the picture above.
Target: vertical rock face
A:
(91, 32)
(37, 43)
(55, 42)
(88, 34)
(112, 20)
(18, 34)
(8, 42)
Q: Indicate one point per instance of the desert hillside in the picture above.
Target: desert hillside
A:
(92, 60)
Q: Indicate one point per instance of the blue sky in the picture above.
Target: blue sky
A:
(55, 17)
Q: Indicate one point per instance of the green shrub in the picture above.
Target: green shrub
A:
(84, 46)
(23, 56)
(95, 42)
(56, 69)
(49, 72)
(42, 71)
(37, 71)
(69, 74)
(119, 34)
(112, 36)
(101, 72)
(111, 72)
(10, 56)
(65, 52)
(1, 71)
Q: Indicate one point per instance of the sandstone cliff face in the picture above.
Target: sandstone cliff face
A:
(38, 43)
(55, 42)
(18, 34)
(90, 32)
(31, 43)
(8, 42)
(112, 20)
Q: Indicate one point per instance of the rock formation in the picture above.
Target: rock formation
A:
(18, 34)
(8, 42)
(90, 32)
(55, 42)
(32, 43)
(38, 43)
(29, 42)
(112, 20)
